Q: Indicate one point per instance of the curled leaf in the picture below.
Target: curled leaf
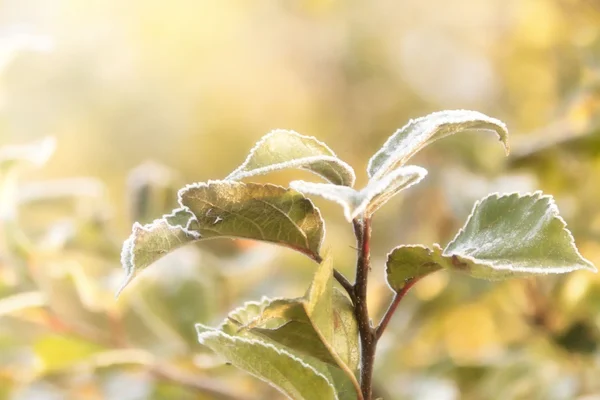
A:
(227, 209)
(283, 149)
(420, 132)
(368, 199)
(409, 262)
(150, 242)
(255, 211)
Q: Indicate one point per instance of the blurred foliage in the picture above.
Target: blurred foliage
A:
(191, 85)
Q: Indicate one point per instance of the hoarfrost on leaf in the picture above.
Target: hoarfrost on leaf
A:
(370, 198)
(282, 149)
(420, 132)
(505, 236)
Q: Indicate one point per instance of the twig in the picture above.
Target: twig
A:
(348, 287)
(392, 308)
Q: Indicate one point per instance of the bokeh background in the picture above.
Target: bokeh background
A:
(142, 97)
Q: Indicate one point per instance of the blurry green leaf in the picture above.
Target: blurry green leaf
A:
(152, 190)
(75, 300)
(58, 352)
(405, 263)
(369, 199)
(13, 157)
(185, 281)
(581, 337)
(283, 149)
(21, 301)
(262, 212)
(418, 133)
(286, 372)
(515, 235)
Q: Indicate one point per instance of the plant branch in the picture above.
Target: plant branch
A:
(392, 308)
(345, 283)
(368, 341)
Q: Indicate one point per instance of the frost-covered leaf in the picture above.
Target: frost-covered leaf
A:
(505, 236)
(227, 209)
(290, 325)
(405, 263)
(324, 318)
(420, 132)
(278, 367)
(320, 328)
(262, 212)
(283, 149)
(150, 242)
(370, 198)
(293, 331)
(515, 235)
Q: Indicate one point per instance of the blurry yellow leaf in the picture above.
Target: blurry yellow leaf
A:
(57, 352)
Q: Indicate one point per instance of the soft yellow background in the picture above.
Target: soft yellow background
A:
(193, 84)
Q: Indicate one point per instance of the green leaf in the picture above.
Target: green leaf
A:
(370, 198)
(276, 366)
(515, 235)
(409, 262)
(150, 242)
(318, 301)
(505, 236)
(418, 133)
(227, 209)
(286, 322)
(345, 331)
(262, 212)
(283, 149)
(332, 317)
(323, 319)
(320, 328)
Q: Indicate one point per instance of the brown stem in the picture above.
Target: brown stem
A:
(368, 341)
(345, 283)
(392, 308)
